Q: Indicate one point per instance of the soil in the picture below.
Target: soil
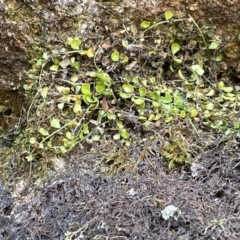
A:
(80, 201)
(85, 204)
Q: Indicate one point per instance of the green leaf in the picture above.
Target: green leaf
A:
(219, 57)
(125, 43)
(227, 89)
(194, 113)
(124, 95)
(45, 56)
(44, 92)
(60, 105)
(145, 24)
(182, 114)
(87, 98)
(125, 59)
(72, 61)
(120, 125)
(151, 117)
(167, 98)
(77, 108)
(137, 101)
(157, 117)
(32, 140)
(49, 144)
(236, 125)
(198, 69)
(193, 76)
(175, 47)
(210, 106)
(105, 78)
(96, 138)
(85, 128)
(100, 87)
(128, 88)
(154, 96)
(69, 135)
(142, 92)
(66, 90)
(213, 45)
(178, 102)
(111, 116)
(56, 61)
(54, 68)
(43, 131)
(115, 56)
(101, 114)
(29, 158)
(55, 123)
(82, 52)
(168, 119)
(76, 65)
(221, 85)
(181, 75)
(142, 118)
(90, 53)
(74, 78)
(74, 43)
(86, 88)
(27, 87)
(177, 60)
(156, 104)
(210, 93)
(168, 15)
(116, 136)
(124, 133)
(63, 149)
(93, 74)
(135, 80)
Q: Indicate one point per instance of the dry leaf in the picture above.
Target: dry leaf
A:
(131, 65)
(134, 30)
(106, 44)
(64, 63)
(105, 106)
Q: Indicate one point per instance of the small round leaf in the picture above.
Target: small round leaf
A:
(168, 15)
(138, 101)
(194, 113)
(128, 88)
(213, 45)
(198, 69)
(43, 131)
(145, 24)
(175, 47)
(55, 123)
(115, 56)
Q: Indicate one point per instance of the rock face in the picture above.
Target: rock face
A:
(13, 59)
(25, 25)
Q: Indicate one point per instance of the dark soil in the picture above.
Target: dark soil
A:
(128, 206)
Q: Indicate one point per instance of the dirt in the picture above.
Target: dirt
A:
(83, 202)
(89, 205)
